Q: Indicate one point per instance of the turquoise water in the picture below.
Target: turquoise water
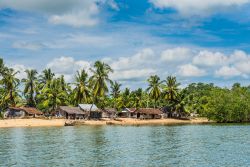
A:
(189, 145)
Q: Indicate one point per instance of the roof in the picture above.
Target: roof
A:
(128, 110)
(71, 110)
(29, 110)
(110, 110)
(87, 107)
(149, 111)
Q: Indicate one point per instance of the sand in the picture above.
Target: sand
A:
(7, 123)
(129, 121)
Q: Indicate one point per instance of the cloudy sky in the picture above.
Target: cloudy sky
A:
(197, 41)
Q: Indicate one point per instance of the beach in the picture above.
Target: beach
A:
(8, 123)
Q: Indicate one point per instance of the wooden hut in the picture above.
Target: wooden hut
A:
(70, 112)
(109, 113)
(92, 110)
(21, 112)
(148, 113)
(126, 113)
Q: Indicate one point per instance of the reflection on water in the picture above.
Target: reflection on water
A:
(191, 145)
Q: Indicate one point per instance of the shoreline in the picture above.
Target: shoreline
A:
(36, 122)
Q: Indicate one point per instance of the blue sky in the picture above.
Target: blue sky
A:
(197, 41)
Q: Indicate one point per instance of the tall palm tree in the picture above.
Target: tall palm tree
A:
(115, 89)
(137, 98)
(99, 79)
(171, 89)
(53, 96)
(154, 88)
(46, 78)
(2, 67)
(30, 87)
(10, 84)
(126, 98)
(81, 92)
(171, 93)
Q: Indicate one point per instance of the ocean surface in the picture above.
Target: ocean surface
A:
(187, 145)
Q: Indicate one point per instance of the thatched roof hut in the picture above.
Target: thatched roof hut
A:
(20, 112)
(70, 112)
(148, 113)
(109, 113)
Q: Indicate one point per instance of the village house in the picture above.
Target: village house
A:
(126, 113)
(148, 113)
(91, 110)
(22, 112)
(109, 113)
(70, 112)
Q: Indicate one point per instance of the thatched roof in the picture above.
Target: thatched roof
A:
(149, 111)
(29, 110)
(110, 110)
(88, 107)
(71, 110)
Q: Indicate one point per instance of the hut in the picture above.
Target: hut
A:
(21, 112)
(109, 113)
(148, 113)
(92, 110)
(70, 112)
(126, 113)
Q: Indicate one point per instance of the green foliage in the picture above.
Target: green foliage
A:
(47, 92)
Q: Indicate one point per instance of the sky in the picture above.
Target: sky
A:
(196, 41)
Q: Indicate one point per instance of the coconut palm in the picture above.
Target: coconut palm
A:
(81, 92)
(2, 67)
(137, 98)
(99, 79)
(171, 89)
(125, 98)
(46, 78)
(53, 96)
(154, 88)
(10, 84)
(115, 89)
(30, 84)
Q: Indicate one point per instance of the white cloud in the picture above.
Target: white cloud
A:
(189, 70)
(77, 13)
(227, 72)
(206, 58)
(77, 18)
(20, 69)
(243, 66)
(143, 58)
(134, 74)
(176, 54)
(67, 66)
(27, 45)
(197, 7)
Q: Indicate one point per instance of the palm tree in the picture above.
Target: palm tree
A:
(154, 88)
(171, 92)
(53, 96)
(30, 87)
(171, 89)
(2, 67)
(46, 78)
(125, 98)
(137, 98)
(99, 79)
(81, 91)
(115, 89)
(10, 84)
